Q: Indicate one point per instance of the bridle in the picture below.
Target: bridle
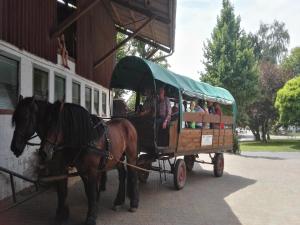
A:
(25, 137)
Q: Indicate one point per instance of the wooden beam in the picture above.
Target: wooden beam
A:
(116, 13)
(108, 54)
(146, 12)
(154, 44)
(72, 18)
(152, 53)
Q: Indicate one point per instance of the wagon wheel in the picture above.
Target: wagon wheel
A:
(142, 162)
(189, 162)
(179, 174)
(218, 161)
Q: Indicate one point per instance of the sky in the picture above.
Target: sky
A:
(195, 20)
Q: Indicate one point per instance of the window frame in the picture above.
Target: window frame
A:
(104, 102)
(91, 92)
(17, 60)
(65, 86)
(96, 109)
(37, 67)
(77, 83)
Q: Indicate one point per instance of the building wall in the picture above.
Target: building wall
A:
(26, 24)
(96, 35)
(27, 62)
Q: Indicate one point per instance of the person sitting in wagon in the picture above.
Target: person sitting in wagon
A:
(148, 106)
(200, 109)
(163, 117)
(218, 111)
(192, 124)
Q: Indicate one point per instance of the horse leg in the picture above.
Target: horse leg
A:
(62, 211)
(120, 199)
(132, 186)
(103, 181)
(93, 196)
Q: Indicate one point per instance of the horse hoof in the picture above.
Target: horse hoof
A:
(131, 209)
(117, 208)
(62, 214)
(90, 221)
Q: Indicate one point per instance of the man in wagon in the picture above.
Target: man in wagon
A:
(163, 117)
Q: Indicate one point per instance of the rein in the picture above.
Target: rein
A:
(32, 137)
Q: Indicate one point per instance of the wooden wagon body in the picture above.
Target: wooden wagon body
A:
(138, 75)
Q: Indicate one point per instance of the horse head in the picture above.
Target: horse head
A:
(25, 121)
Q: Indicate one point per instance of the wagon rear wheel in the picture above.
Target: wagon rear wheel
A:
(189, 162)
(218, 161)
(179, 174)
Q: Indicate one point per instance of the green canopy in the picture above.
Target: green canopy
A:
(132, 72)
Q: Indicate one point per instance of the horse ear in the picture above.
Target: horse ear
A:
(20, 98)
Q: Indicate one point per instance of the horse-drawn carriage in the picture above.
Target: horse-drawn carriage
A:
(135, 74)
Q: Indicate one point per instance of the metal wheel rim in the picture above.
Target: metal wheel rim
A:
(181, 174)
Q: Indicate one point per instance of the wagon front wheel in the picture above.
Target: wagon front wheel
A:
(218, 161)
(179, 174)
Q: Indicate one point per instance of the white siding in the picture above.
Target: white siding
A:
(27, 62)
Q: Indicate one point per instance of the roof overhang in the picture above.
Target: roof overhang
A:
(128, 15)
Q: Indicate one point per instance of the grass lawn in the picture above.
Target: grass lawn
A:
(271, 146)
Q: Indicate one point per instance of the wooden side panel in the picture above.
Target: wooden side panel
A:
(173, 134)
(190, 140)
(96, 35)
(26, 24)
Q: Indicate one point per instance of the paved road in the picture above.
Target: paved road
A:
(256, 189)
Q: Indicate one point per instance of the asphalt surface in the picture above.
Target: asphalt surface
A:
(256, 189)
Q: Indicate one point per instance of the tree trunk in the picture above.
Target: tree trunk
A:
(255, 132)
(264, 131)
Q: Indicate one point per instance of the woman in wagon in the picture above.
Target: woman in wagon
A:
(192, 124)
(218, 111)
(200, 108)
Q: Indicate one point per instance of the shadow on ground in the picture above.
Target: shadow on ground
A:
(261, 157)
(202, 201)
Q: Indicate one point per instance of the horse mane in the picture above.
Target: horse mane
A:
(75, 122)
(27, 103)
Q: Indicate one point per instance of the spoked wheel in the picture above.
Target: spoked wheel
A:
(218, 161)
(189, 162)
(179, 174)
(142, 162)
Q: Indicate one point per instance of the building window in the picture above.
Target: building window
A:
(96, 101)
(104, 103)
(59, 88)
(88, 99)
(8, 83)
(76, 93)
(40, 84)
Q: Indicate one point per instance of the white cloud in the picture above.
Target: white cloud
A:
(197, 18)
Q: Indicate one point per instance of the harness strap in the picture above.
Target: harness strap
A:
(102, 152)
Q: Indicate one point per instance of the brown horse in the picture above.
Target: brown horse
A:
(73, 140)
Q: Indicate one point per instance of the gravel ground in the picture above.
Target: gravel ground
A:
(256, 189)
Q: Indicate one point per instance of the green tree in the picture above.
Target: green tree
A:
(270, 42)
(262, 114)
(230, 61)
(292, 62)
(288, 102)
(270, 46)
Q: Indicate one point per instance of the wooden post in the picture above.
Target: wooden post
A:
(108, 54)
